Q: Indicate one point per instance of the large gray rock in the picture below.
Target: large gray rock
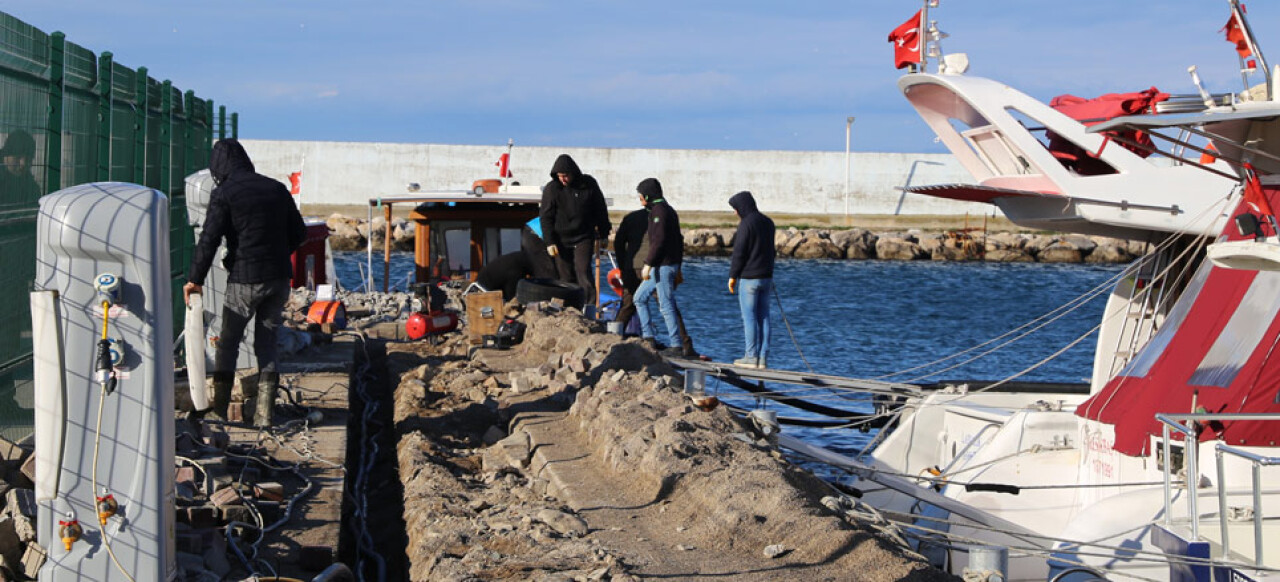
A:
(817, 247)
(1008, 255)
(898, 249)
(857, 243)
(1109, 253)
(1060, 253)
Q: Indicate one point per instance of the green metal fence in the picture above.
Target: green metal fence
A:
(68, 117)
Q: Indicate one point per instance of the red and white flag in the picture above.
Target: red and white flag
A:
(1253, 194)
(503, 163)
(1235, 34)
(295, 183)
(907, 41)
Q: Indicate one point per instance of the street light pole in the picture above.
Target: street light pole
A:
(848, 130)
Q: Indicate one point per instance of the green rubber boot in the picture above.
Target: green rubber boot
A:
(268, 382)
(222, 384)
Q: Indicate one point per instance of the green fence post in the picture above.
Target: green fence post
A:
(235, 125)
(106, 94)
(222, 122)
(166, 138)
(189, 133)
(53, 141)
(140, 128)
(208, 127)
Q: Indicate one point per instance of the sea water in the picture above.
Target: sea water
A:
(891, 320)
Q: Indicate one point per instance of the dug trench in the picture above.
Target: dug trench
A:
(575, 455)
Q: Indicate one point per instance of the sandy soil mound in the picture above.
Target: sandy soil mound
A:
(575, 456)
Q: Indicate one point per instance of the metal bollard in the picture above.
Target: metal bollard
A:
(987, 564)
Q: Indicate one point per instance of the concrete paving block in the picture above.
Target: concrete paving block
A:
(185, 475)
(268, 491)
(226, 496)
(32, 560)
(20, 502)
(10, 453)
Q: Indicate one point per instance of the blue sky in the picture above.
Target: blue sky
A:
(748, 74)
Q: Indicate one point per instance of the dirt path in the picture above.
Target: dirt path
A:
(575, 457)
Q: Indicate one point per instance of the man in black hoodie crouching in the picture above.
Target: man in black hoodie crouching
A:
(574, 218)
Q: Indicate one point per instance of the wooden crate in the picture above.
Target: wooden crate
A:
(484, 315)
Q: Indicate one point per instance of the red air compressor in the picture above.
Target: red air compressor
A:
(421, 325)
(429, 316)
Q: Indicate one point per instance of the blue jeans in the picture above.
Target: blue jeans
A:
(753, 298)
(663, 280)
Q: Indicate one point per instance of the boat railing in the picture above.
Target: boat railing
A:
(1187, 424)
(1256, 462)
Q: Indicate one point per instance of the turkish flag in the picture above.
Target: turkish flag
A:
(907, 40)
(1235, 34)
(1253, 195)
(503, 163)
(295, 182)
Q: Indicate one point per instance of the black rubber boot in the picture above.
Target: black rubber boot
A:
(222, 384)
(268, 382)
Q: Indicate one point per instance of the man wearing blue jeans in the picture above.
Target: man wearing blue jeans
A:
(661, 270)
(752, 266)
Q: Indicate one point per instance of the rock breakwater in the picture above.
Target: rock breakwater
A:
(348, 234)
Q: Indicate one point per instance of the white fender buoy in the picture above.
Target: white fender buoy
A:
(194, 336)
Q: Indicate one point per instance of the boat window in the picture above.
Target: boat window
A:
(1253, 315)
(510, 238)
(500, 241)
(1141, 364)
(458, 242)
(450, 247)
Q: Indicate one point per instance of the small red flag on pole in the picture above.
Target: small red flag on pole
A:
(503, 163)
(907, 40)
(1235, 34)
(295, 183)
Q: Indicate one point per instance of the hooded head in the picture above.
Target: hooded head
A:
(565, 165)
(19, 144)
(228, 157)
(743, 203)
(651, 190)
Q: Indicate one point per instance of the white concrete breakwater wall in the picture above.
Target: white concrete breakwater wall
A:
(783, 182)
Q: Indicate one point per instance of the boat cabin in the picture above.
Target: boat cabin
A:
(457, 232)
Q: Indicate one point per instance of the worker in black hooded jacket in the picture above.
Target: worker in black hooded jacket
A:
(574, 218)
(661, 270)
(262, 227)
(751, 269)
(631, 246)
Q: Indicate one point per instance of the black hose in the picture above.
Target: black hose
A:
(869, 420)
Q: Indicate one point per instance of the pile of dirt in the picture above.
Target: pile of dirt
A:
(576, 456)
